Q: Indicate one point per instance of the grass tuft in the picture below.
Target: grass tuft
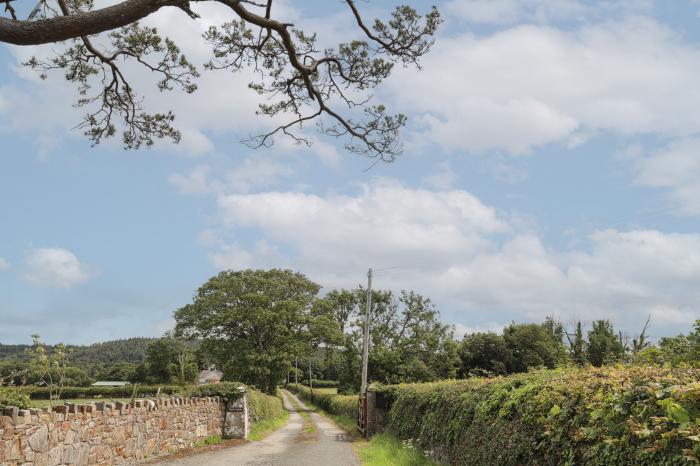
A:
(262, 429)
(386, 450)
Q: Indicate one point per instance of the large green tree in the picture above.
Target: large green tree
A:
(298, 76)
(408, 342)
(521, 347)
(484, 354)
(169, 360)
(254, 323)
(603, 344)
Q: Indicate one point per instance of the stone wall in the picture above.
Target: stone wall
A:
(108, 433)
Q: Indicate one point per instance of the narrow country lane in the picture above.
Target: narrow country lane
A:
(287, 446)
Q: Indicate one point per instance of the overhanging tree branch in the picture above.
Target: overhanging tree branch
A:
(295, 76)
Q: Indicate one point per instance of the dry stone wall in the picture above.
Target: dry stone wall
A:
(107, 433)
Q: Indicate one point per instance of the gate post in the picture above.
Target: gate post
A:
(236, 423)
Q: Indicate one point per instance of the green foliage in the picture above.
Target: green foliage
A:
(43, 393)
(226, 391)
(263, 317)
(111, 360)
(521, 347)
(620, 416)
(344, 405)
(409, 343)
(384, 449)
(323, 383)
(603, 345)
(211, 440)
(264, 407)
(484, 354)
(13, 397)
(169, 360)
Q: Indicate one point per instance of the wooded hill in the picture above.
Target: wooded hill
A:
(131, 350)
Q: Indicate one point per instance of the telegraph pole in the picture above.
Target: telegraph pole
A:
(296, 370)
(365, 350)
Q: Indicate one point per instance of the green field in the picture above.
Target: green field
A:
(47, 403)
(330, 391)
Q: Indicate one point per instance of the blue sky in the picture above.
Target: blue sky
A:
(551, 167)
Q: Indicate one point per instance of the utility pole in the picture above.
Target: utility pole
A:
(365, 349)
(296, 370)
(311, 381)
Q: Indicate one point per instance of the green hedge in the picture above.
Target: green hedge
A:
(609, 416)
(344, 405)
(42, 393)
(13, 397)
(323, 383)
(263, 407)
(226, 391)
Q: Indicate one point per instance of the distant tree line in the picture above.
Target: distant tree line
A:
(262, 327)
(138, 360)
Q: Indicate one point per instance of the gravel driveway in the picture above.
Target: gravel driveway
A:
(286, 446)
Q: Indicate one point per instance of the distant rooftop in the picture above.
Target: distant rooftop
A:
(210, 376)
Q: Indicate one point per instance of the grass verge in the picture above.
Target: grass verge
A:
(262, 429)
(384, 449)
(211, 440)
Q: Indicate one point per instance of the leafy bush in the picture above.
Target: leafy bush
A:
(13, 397)
(608, 416)
(43, 393)
(226, 391)
(263, 407)
(345, 405)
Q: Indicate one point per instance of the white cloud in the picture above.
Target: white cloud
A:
(385, 224)
(194, 182)
(511, 11)
(55, 267)
(677, 169)
(4, 264)
(254, 172)
(542, 11)
(466, 256)
(527, 86)
(443, 178)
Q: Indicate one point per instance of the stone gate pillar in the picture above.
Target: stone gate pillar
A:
(236, 421)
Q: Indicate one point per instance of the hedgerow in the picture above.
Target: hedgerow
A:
(43, 393)
(345, 405)
(323, 383)
(226, 391)
(263, 407)
(609, 416)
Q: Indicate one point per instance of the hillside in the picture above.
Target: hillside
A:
(132, 350)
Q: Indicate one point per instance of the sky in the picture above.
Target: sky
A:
(551, 167)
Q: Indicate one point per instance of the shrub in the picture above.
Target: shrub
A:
(226, 391)
(609, 416)
(263, 407)
(345, 405)
(13, 397)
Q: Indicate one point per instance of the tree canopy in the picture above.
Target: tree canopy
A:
(255, 322)
(408, 342)
(299, 75)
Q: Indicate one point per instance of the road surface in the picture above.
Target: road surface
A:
(287, 446)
